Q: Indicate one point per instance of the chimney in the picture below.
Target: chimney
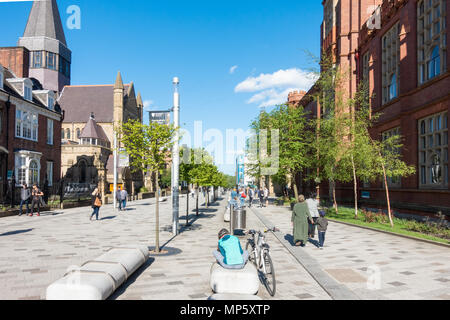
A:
(295, 97)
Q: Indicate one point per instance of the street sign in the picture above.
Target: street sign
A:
(124, 158)
(160, 117)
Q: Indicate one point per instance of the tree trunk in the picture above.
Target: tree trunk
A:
(157, 213)
(294, 186)
(187, 206)
(355, 187)
(197, 201)
(207, 198)
(335, 205)
(387, 195)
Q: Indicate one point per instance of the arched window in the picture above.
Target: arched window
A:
(62, 134)
(78, 133)
(68, 134)
(34, 173)
(434, 65)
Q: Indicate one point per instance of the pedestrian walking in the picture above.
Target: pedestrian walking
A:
(250, 197)
(118, 198)
(96, 203)
(261, 197)
(313, 204)
(123, 198)
(36, 195)
(322, 226)
(300, 217)
(266, 196)
(25, 195)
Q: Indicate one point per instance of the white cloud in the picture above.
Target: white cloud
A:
(233, 69)
(148, 103)
(273, 88)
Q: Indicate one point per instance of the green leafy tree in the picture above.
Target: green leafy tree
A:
(149, 148)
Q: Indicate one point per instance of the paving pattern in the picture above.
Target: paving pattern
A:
(34, 252)
(375, 265)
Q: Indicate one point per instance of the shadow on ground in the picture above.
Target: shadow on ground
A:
(132, 279)
(12, 233)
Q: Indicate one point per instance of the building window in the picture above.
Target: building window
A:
(62, 134)
(51, 61)
(433, 151)
(1, 77)
(50, 173)
(78, 133)
(51, 103)
(328, 17)
(33, 173)
(432, 42)
(27, 93)
(21, 170)
(37, 59)
(49, 131)
(366, 67)
(391, 63)
(68, 134)
(64, 67)
(26, 125)
(393, 182)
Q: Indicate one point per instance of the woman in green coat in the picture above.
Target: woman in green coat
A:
(300, 216)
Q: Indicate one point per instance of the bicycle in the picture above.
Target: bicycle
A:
(259, 255)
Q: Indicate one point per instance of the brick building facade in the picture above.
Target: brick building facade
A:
(399, 47)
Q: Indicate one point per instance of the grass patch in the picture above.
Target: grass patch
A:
(423, 230)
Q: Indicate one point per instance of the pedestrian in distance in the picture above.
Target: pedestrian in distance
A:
(300, 217)
(25, 195)
(229, 253)
(322, 226)
(118, 197)
(261, 197)
(313, 204)
(123, 198)
(250, 197)
(36, 195)
(96, 203)
(266, 196)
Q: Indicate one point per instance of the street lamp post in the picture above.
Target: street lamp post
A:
(176, 158)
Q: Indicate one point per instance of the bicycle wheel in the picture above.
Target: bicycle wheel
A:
(269, 276)
(250, 248)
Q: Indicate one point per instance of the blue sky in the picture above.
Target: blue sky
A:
(232, 57)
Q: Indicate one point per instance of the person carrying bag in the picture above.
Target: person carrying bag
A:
(96, 203)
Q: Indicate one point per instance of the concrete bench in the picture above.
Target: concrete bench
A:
(227, 215)
(99, 278)
(225, 281)
(233, 297)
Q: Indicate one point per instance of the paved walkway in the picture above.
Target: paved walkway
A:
(34, 252)
(375, 265)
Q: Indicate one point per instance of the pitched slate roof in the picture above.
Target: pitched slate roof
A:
(93, 130)
(80, 101)
(44, 21)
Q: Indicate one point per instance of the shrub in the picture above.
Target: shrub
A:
(369, 216)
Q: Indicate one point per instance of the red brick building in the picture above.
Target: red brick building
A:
(399, 47)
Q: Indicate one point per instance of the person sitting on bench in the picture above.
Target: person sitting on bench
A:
(229, 253)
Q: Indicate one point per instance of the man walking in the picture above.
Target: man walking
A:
(314, 211)
(266, 196)
(123, 198)
(25, 195)
(36, 200)
(250, 197)
(118, 198)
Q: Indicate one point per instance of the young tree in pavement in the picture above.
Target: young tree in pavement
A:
(149, 148)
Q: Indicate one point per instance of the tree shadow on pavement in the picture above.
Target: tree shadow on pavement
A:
(131, 279)
(12, 233)
(108, 218)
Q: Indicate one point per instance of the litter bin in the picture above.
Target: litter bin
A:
(239, 219)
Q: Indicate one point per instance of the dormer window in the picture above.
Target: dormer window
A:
(27, 92)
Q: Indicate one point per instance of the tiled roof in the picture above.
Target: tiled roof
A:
(93, 130)
(79, 102)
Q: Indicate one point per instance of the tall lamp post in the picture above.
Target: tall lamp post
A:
(176, 158)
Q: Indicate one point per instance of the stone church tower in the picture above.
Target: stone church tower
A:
(50, 58)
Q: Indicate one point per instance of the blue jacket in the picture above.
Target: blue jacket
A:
(230, 248)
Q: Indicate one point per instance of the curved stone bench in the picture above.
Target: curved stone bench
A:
(227, 215)
(233, 297)
(226, 281)
(99, 278)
